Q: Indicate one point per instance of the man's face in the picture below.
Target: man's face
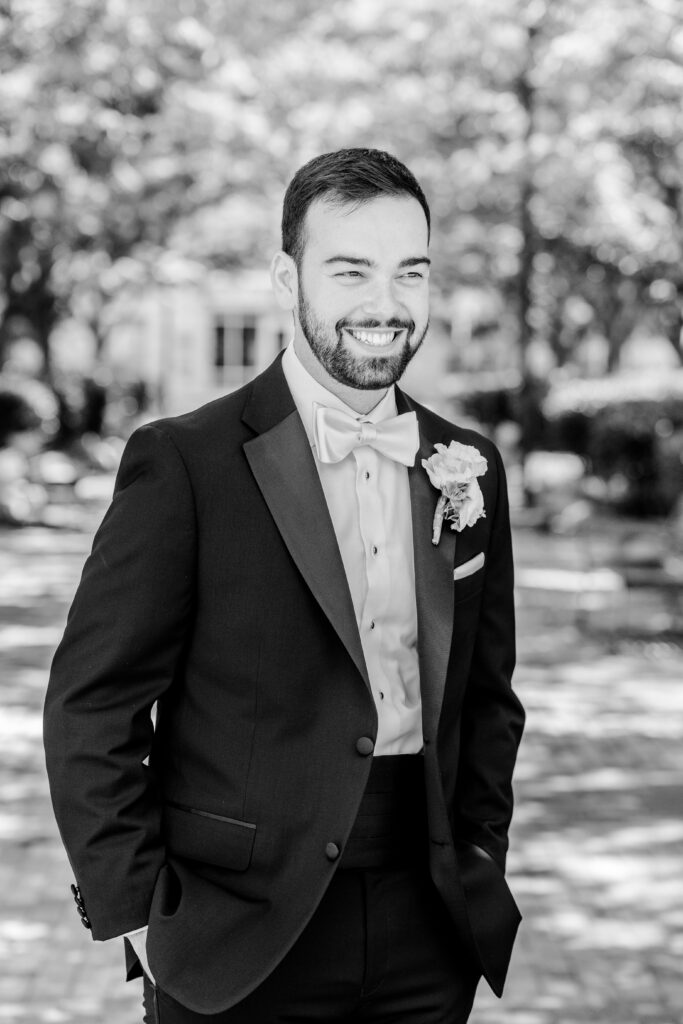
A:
(363, 304)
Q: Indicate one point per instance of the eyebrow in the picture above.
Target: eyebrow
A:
(358, 261)
(414, 261)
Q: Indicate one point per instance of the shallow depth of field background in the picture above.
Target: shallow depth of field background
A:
(144, 152)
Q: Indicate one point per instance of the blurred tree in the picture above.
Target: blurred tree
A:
(116, 120)
(609, 203)
(525, 123)
(549, 138)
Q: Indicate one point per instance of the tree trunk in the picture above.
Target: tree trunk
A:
(526, 93)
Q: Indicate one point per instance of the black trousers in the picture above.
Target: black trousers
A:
(379, 949)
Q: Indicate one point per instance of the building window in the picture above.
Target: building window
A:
(249, 340)
(234, 347)
(219, 344)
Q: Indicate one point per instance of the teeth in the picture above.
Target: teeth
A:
(374, 337)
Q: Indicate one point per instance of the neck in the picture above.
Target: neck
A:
(358, 399)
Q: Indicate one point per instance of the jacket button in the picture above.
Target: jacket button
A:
(85, 922)
(365, 746)
(332, 851)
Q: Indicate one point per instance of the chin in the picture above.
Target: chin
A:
(378, 375)
(375, 372)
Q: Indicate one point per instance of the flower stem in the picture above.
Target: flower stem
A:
(437, 524)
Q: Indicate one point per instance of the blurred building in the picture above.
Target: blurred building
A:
(194, 340)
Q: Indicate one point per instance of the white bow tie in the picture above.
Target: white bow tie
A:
(337, 433)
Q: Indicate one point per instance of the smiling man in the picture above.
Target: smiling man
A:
(312, 579)
(360, 288)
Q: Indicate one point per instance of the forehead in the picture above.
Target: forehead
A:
(393, 226)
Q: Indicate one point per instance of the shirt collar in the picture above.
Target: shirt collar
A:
(308, 392)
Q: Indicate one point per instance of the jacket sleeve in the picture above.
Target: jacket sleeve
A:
(492, 716)
(123, 643)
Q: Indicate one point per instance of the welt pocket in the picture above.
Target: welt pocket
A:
(211, 838)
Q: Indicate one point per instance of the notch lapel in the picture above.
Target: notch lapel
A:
(282, 462)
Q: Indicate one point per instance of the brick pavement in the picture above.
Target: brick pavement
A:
(597, 843)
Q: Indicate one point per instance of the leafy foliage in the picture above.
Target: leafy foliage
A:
(549, 138)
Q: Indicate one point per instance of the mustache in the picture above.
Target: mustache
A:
(393, 323)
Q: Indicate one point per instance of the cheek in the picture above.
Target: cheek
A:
(327, 304)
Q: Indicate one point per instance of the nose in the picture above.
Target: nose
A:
(380, 301)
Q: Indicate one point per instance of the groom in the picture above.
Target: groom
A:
(316, 826)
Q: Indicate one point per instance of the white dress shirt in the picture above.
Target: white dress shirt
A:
(368, 498)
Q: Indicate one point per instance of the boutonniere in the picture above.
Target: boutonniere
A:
(454, 471)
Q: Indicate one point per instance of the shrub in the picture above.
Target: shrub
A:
(628, 429)
(25, 405)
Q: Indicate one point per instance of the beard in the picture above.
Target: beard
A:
(368, 373)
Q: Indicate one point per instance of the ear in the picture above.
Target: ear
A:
(285, 280)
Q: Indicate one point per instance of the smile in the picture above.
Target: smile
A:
(374, 338)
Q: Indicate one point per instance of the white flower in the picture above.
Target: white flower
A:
(454, 471)
(471, 509)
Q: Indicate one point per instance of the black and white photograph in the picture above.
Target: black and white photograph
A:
(341, 512)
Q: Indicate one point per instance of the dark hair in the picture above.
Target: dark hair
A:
(346, 176)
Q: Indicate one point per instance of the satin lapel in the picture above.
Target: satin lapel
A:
(433, 583)
(282, 463)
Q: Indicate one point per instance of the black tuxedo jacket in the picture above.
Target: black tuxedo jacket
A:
(216, 588)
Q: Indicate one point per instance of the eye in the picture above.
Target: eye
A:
(349, 273)
(413, 275)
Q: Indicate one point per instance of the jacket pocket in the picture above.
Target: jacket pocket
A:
(469, 567)
(210, 838)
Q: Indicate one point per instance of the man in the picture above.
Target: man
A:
(320, 832)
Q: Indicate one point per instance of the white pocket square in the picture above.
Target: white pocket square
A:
(467, 568)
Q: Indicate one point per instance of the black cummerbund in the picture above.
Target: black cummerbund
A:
(391, 826)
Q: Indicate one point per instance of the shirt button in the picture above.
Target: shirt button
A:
(372, 624)
(367, 474)
(365, 746)
(381, 695)
(374, 549)
(332, 851)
